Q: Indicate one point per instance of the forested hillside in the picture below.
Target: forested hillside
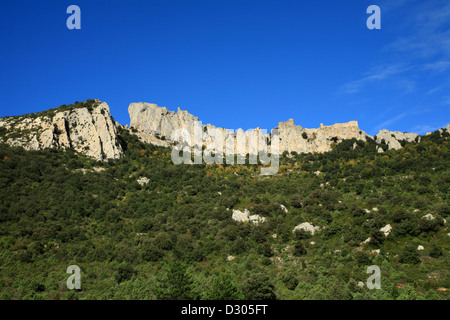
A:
(171, 236)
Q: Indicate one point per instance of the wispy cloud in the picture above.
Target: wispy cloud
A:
(406, 85)
(446, 101)
(424, 128)
(427, 32)
(434, 90)
(387, 123)
(358, 102)
(438, 66)
(376, 74)
(419, 111)
(423, 47)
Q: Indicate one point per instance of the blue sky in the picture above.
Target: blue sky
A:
(234, 63)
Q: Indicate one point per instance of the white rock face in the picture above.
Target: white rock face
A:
(256, 219)
(240, 216)
(386, 229)
(89, 131)
(94, 169)
(143, 181)
(301, 140)
(392, 138)
(306, 226)
(154, 124)
(428, 217)
(93, 132)
(245, 216)
(420, 248)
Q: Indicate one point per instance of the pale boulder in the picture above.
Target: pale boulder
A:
(244, 216)
(428, 216)
(308, 227)
(143, 181)
(386, 229)
(240, 216)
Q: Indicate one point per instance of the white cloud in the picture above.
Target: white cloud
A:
(419, 111)
(423, 46)
(424, 128)
(426, 25)
(434, 90)
(438, 66)
(446, 100)
(380, 73)
(387, 123)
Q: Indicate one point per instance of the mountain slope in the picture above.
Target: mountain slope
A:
(130, 222)
(87, 127)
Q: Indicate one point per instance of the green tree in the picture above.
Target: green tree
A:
(124, 272)
(259, 287)
(176, 284)
(435, 250)
(299, 249)
(224, 288)
(409, 254)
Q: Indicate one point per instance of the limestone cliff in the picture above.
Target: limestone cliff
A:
(394, 139)
(154, 124)
(86, 127)
(298, 139)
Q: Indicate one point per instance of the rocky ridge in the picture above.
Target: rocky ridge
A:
(86, 127)
(89, 128)
(155, 125)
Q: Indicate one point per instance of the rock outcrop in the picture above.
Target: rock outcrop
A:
(394, 139)
(386, 230)
(244, 216)
(428, 216)
(86, 127)
(143, 181)
(301, 140)
(155, 125)
(149, 118)
(307, 227)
